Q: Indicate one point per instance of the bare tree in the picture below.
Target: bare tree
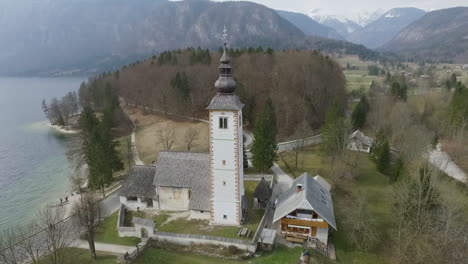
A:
(31, 243)
(9, 253)
(166, 136)
(88, 212)
(58, 233)
(191, 135)
(361, 224)
(302, 131)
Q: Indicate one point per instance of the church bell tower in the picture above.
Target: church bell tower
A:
(226, 148)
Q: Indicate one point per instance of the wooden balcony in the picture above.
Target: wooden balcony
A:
(300, 222)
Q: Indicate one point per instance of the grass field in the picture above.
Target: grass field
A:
(280, 255)
(107, 233)
(370, 182)
(147, 139)
(178, 222)
(82, 256)
(359, 82)
(202, 227)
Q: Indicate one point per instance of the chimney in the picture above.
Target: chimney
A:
(299, 187)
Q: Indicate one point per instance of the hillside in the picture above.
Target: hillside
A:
(87, 37)
(52, 36)
(386, 27)
(309, 26)
(440, 35)
(302, 84)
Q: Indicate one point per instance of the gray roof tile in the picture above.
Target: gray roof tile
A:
(313, 197)
(225, 102)
(139, 183)
(186, 170)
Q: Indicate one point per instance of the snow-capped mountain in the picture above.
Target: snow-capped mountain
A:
(364, 18)
(386, 27)
(348, 23)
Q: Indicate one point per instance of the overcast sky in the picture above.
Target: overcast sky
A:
(352, 6)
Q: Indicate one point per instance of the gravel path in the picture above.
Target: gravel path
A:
(443, 161)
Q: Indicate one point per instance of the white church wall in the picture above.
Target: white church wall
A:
(225, 155)
(223, 133)
(173, 199)
(224, 186)
(200, 215)
(226, 163)
(133, 205)
(240, 153)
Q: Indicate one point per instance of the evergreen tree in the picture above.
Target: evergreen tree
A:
(400, 90)
(181, 84)
(381, 152)
(264, 146)
(359, 115)
(458, 109)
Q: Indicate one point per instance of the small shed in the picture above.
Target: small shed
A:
(267, 239)
(262, 194)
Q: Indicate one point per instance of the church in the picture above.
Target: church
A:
(208, 185)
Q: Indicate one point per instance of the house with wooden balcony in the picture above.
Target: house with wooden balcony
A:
(305, 211)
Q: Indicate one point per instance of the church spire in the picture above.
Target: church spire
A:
(225, 83)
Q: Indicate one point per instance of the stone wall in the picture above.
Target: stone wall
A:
(188, 239)
(124, 231)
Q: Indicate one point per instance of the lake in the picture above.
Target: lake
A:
(34, 169)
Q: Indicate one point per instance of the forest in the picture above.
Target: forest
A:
(301, 84)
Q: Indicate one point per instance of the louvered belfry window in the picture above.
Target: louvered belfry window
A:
(223, 122)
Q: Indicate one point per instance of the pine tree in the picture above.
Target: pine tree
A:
(359, 115)
(381, 152)
(264, 146)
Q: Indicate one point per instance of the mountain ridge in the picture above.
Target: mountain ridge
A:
(440, 35)
(386, 27)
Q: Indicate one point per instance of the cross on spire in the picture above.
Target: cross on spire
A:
(225, 35)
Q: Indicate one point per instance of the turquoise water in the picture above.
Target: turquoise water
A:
(34, 170)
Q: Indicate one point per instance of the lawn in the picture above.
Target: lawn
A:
(370, 182)
(280, 255)
(82, 256)
(107, 232)
(201, 227)
(356, 82)
(146, 134)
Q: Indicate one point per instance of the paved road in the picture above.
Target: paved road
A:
(443, 161)
(104, 247)
(135, 154)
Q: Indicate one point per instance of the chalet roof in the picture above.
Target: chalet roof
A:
(358, 135)
(139, 183)
(263, 190)
(225, 102)
(186, 170)
(312, 197)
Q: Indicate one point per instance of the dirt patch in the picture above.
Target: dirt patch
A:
(148, 125)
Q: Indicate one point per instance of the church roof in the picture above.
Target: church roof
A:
(186, 170)
(225, 102)
(312, 197)
(139, 183)
(263, 190)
